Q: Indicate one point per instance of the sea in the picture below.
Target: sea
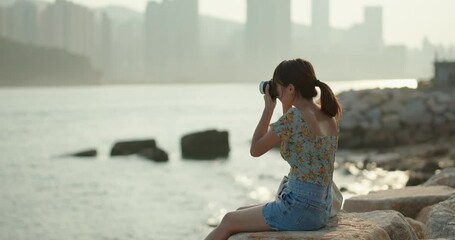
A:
(46, 194)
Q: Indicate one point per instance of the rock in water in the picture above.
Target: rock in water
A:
(86, 153)
(207, 145)
(155, 154)
(132, 147)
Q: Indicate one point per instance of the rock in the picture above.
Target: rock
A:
(155, 154)
(391, 107)
(437, 152)
(342, 226)
(370, 225)
(415, 113)
(441, 221)
(206, 145)
(350, 120)
(419, 227)
(435, 107)
(446, 177)
(417, 178)
(144, 148)
(86, 153)
(132, 147)
(424, 214)
(391, 121)
(382, 118)
(408, 201)
(393, 222)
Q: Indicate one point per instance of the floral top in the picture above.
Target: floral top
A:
(310, 156)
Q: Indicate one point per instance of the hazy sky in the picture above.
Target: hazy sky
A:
(405, 21)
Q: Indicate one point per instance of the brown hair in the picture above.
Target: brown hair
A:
(301, 74)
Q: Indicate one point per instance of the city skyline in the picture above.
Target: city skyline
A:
(401, 26)
(171, 41)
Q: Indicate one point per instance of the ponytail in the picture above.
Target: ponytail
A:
(301, 74)
(329, 102)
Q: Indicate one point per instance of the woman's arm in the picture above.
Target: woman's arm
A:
(263, 138)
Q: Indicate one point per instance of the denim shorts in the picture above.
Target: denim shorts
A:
(300, 206)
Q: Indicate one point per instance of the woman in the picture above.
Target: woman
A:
(308, 134)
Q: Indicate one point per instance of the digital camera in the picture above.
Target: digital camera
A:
(272, 89)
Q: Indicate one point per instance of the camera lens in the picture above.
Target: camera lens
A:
(272, 90)
(262, 86)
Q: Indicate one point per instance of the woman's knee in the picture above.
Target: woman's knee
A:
(228, 218)
(228, 222)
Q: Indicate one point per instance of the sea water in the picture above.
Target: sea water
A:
(46, 195)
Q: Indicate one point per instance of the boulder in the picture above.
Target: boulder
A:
(131, 147)
(446, 177)
(210, 144)
(424, 214)
(419, 227)
(155, 154)
(417, 178)
(408, 201)
(441, 221)
(389, 117)
(371, 225)
(393, 222)
(342, 226)
(144, 148)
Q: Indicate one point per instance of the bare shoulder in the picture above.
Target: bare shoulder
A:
(327, 124)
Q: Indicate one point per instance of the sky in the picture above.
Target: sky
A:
(405, 21)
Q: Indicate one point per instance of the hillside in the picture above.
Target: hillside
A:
(22, 64)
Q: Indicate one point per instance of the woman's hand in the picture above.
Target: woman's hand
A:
(270, 103)
(263, 138)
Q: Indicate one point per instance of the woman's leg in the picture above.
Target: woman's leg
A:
(250, 206)
(245, 220)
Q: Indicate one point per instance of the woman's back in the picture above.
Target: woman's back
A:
(319, 123)
(311, 156)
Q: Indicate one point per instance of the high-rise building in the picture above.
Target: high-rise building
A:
(69, 26)
(22, 22)
(54, 25)
(268, 29)
(153, 37)
(373, 26)
(171, 35)
(320, 23)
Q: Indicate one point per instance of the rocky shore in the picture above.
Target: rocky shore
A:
(394, 129)
(418, 212)
(383, 118)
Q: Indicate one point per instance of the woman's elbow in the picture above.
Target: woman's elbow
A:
(254, 152)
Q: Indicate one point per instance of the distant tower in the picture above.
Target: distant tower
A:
(23, 19)
(320, 23)
(268, 29)
(171, 35)
(373, 26)
(153, 36)
(69, 26)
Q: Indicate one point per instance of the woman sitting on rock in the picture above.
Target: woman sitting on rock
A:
(308, 134)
